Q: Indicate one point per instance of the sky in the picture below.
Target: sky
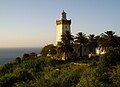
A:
(32, 23)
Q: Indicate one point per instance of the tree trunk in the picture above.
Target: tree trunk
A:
(65, 54)
(80, 50)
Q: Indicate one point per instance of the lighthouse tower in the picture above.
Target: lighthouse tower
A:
(62, 25)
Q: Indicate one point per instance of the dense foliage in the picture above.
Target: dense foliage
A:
(48, 50)
(42, 72)
(46, 72)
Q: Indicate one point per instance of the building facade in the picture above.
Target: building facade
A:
(62, 25)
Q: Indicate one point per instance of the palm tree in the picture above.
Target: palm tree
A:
(92, 43)
(108, 39)
(66, 45)
(81, 40)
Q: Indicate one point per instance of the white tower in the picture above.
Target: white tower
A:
(62, 25)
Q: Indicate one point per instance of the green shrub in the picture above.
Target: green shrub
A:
(49, 49)
(111, 57)
(115, 76)
(94, 77)
(7, 80)
(18, 60)
(7, 68)
(37, 64)
(70, 80)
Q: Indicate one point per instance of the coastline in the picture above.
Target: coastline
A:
(9, 54)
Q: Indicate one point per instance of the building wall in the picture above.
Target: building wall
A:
(59, 33)
(100, 51)
(60, 30)
(85, 50)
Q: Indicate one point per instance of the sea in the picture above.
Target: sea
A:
(10, 54)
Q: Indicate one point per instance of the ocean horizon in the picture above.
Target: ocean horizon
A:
(10, 54)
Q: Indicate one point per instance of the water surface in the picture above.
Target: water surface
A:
(9, 54)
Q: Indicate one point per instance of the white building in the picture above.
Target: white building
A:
(62, 25)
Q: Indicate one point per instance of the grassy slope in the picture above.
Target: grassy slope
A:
(45, 72)
(42, 72)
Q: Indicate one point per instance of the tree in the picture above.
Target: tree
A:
(92, 43)
(81, 40)
(108, 39)
(33, 55)
(48, 49)
(66, 45)
(111, 57)
(18, 60)
(26, 56)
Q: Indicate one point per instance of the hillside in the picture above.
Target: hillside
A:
(46, 72)
(42, 72)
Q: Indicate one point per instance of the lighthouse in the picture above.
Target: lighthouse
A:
(62, 25)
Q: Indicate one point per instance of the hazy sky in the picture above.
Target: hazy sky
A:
(31, 23)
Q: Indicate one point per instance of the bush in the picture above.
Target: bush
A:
(38, 64)
(110, 58)
(49, 49)
(7, 68)
(115, 76)
(8, 80)
(70, 80)
(18, 60)
(26, 57)
(92, 78)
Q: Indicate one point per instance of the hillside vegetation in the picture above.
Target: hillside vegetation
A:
(46, 72)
